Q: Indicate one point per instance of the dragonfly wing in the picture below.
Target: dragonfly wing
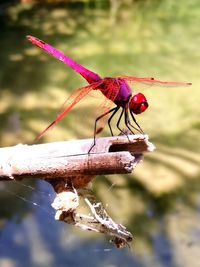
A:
(73, 99)
(152, 81)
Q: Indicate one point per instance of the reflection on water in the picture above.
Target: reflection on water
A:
(159, 203)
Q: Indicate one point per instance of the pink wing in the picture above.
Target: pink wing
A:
(69, 104)
(152, 81)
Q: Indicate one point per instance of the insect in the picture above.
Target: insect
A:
(66, 205)
(116, 89)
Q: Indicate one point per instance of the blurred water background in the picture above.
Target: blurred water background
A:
(160, 202)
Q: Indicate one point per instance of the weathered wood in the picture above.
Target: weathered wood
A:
(69, 168)
(110, 155)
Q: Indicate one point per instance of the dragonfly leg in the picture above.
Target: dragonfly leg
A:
(109, 120)
(128, 123)
(95, 126)
(141, 131)
(119, 120)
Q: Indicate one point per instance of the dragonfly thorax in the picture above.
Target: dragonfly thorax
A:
(117, 90)
(138, 103)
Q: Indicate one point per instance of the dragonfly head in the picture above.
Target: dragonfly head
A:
(138, 103)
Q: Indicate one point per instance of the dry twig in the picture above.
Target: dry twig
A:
(69, 168)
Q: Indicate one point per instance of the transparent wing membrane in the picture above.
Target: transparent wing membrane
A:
(152, 80)
(73, 99)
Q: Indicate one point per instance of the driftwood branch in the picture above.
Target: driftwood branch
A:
(110, 155)
(68, 167)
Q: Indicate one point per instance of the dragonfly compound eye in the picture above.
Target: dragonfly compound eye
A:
(138, 103)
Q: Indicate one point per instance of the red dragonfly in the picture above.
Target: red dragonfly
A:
(115, 89)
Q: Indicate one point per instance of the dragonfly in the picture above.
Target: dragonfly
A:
(116, 89)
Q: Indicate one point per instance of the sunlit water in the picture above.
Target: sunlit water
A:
(160, 202)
